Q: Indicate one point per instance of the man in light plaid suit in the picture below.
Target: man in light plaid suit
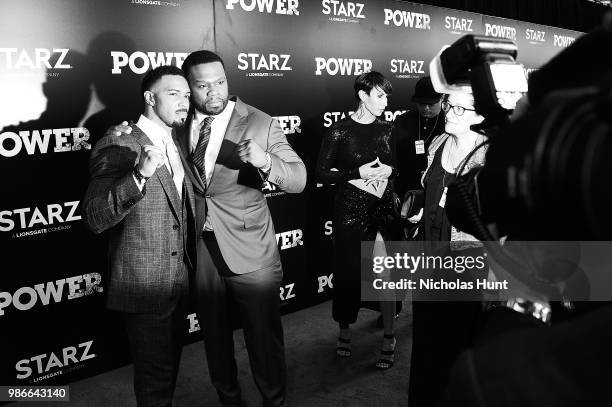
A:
(138, 192)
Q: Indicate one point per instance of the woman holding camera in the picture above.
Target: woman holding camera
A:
(442, 329)
(358, 155)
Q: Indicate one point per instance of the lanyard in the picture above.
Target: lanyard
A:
(430, 131)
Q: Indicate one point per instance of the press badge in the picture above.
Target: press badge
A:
(419, 146)
(443, 198)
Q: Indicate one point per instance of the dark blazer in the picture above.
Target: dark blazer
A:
(239, 213)
(148, 231)
(410, 164)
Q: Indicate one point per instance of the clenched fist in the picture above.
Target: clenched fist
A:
(151, 158)
(250, 152)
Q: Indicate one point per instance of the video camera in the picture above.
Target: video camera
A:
(546, 175)
(486, 67)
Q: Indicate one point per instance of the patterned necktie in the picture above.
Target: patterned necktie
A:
(176, 167)
(197, 158)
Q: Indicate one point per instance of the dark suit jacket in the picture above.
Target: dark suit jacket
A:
(148, 231)
(410, 164)
(238, 210)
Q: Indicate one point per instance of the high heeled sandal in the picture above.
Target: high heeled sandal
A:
(387, 357)
(343, 347)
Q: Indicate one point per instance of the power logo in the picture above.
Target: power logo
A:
(458, 25)
(390, 116)
(500, 31)
(342, 66)
(289, 124)
(16, 58)
(286, 7)
(535, 36)
(289, 239)
(29, 218)
(37, 142)
(45, 363)
(25, 298)
(194, 324)
(341, 11)
(409, 19)
(264, 65)
(562, 41)
(325, 281)
(404, 68)
(140, 62)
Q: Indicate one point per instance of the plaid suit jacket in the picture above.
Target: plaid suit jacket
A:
(149, 231)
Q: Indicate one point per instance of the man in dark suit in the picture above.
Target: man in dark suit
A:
(413, 132)
(139, 193)
(229, 148)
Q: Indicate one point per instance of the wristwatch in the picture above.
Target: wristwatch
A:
(266, 168)
(138, 175)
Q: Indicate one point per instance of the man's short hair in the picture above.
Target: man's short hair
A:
(198, 58)
(156, 74)
(370, 80)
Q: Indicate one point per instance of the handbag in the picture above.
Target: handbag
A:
(414, 199)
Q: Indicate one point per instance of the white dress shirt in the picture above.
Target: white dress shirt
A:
(217, 133)
(164, 141)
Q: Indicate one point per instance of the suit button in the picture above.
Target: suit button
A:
(175, 227)
(207, 196)
(173, 253)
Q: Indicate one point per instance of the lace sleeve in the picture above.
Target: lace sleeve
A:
(327, 160)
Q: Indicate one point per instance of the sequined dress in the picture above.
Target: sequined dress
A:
(358, 215)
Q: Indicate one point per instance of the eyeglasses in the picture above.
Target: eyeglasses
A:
(458, 110)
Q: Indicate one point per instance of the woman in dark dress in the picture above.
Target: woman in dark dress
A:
(358, 155)
(442, 329)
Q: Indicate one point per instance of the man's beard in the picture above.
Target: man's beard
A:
(211, 112)
(178, 123)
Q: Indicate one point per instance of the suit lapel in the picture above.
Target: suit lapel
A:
(182, 138)
(233, 136)
(162, 174)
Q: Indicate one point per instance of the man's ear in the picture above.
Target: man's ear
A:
(149, 98)
(362, 95)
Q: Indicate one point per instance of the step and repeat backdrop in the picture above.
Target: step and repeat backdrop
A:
(69, 69)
